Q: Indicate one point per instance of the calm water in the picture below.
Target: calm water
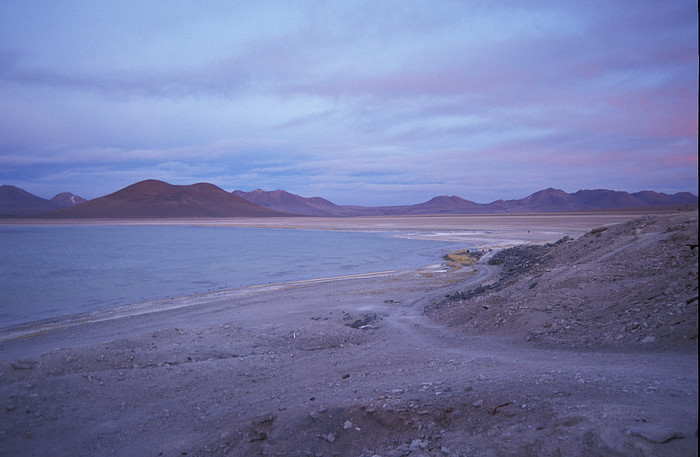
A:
(58, 270)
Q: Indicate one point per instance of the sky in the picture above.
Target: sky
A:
(368, 103)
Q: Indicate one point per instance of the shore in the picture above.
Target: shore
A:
(485, 232)
(342, 366)
(488, 230)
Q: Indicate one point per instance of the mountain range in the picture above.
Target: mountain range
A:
(17, 202)
(544, 201)
(158, 199)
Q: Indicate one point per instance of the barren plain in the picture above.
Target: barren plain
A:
(582, 342)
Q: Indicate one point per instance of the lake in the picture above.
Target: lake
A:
(49, 271)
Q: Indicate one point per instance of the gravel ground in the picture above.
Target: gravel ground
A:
(633, 285)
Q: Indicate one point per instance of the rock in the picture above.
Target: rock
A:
(478, 403)
(347, 425)
(257, 435)
(655, 434)
(418, 445)
(23, 364)
(330, 437)
(400, 451)
(267, 419)
(649, 339)
(364, 323)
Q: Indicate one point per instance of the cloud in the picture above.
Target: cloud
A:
(448, 97)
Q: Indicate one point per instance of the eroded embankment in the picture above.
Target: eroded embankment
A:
(629, 285)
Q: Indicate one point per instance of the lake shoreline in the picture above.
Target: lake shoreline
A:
(357, 367)
(60, 323)
(485, 232)
(48, 271)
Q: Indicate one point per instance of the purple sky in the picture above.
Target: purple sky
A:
(372, 103)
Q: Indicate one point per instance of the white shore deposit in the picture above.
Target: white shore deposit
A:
(585, 346)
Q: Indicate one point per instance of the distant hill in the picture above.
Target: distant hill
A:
(448, 205)
(158, 199)
(543, 201)
(66, 199)
(281, 200)
(18, 202)
(655, 198)
(438, 205)
(315, 206)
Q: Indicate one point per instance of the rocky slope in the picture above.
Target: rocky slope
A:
(630, 285)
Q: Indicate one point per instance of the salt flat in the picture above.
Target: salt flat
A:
(491, 229)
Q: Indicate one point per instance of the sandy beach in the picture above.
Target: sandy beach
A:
(386, 364)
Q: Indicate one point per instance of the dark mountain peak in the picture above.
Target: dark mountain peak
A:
(155, 190)
(550, 192)
(267, 195)
(279, 193)
(546, 200)
(599, 192)
(281, 200)
(450, 201)
(18, 202)
(446, 198)
(146, 186)
(205, 187)
(652, 197)
(605, 199)
(7, 189)
(67, 199)
(153, 198)
(656, 198)
(259, 191)
(443, 204)
(686, 198)
(157, 199)
(549, 195)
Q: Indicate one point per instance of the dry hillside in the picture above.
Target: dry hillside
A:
(629, 285)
